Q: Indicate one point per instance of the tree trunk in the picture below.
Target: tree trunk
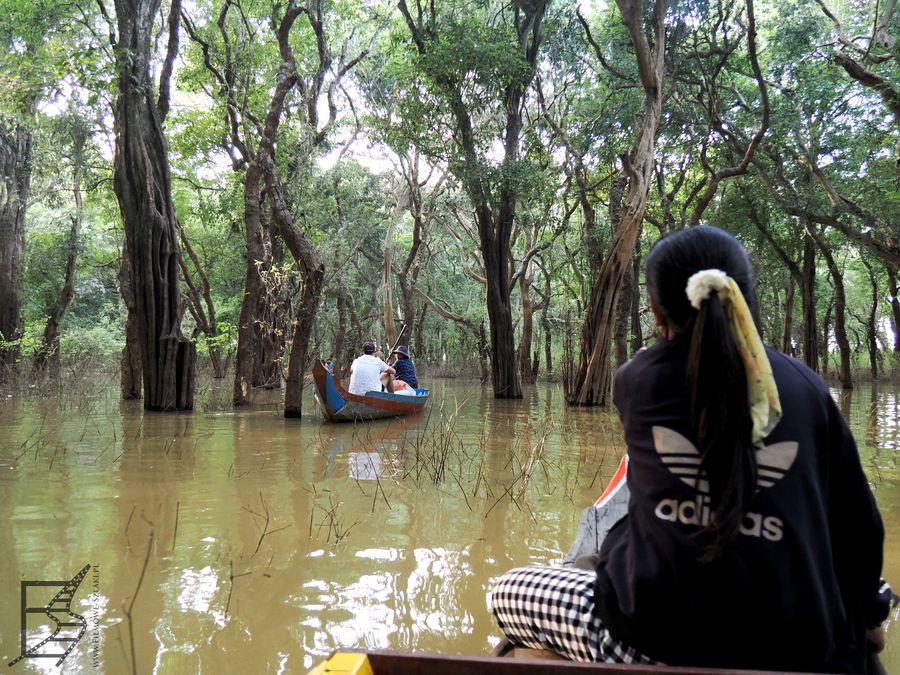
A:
(623, 308)
(47, 358)
(787, 335)
(141, 182)
(483, 351)
(340, 336)
(526, 368)
(637, 336)
(313, 276)
(825, 332)
(808, 299)
(247, 328)
(592, 384)
(872, 322)
(409, 315)
(548, 342)
(200, 304)
(304, 316)
(420, 332)
(895, 306)
(130, 380)
(15, 188)
(272, 311)
(387, 272)
(504, 373)
(840, 310)
(623, 317)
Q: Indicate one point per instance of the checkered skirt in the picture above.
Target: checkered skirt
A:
(553, 608)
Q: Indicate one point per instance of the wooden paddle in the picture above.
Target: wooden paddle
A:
(397, 342)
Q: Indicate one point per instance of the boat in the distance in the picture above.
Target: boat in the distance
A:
(339, 405)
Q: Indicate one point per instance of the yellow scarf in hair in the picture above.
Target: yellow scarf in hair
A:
(765, 406)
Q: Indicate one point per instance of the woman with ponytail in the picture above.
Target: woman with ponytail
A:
(752, 538)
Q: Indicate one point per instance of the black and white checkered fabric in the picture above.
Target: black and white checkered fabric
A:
(552, 608)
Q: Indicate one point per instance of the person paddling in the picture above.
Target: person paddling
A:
(752, 538)
(406, 370)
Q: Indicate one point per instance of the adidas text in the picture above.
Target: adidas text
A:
(697, 512)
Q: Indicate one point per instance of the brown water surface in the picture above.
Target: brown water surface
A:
(244, 542)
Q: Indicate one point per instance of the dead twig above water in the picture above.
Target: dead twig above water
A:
(266, 518)
(129, 610)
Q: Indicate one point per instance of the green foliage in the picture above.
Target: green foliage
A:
(56, 74)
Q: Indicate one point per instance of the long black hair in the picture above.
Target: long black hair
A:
(716, 378)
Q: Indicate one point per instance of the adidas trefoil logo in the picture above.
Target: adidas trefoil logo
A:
(683, 460)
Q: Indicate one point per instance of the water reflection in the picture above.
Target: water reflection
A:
(243, 541)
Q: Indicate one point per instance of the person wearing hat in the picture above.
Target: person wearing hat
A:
(370, 373)
(406, 371)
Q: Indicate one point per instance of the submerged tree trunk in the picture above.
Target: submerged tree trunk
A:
(15, 187)
(592, 383)
(141, 182)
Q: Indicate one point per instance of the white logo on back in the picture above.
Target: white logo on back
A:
(682, 458)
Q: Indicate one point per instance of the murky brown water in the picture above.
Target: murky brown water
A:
(243, 542)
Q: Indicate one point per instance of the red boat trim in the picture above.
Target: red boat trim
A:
(618, 480)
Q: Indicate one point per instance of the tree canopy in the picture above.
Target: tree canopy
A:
(487, 173)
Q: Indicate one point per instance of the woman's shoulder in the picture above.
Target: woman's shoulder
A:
(789, 367)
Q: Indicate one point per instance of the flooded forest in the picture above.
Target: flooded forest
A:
(201, 199)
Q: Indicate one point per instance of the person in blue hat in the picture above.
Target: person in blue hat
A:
(406, 371)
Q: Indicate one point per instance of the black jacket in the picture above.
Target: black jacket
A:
(799, 586)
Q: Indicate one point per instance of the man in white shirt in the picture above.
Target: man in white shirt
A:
(369, 373)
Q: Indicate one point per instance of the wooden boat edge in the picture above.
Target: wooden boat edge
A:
(379, 662)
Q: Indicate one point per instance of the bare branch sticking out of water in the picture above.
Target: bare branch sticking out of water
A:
(128, 524)
(331, 522)
(175, 533)
(231, 577)
(128, 611)
(266, 519)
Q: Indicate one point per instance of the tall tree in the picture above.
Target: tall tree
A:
(449, 63)
(47, 356)
(16, 141)
(592, 382)
(142, 184)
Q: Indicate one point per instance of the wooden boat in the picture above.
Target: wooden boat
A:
(339, 405)
(379, 662)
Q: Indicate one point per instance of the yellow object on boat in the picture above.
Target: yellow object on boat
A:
(342, 663)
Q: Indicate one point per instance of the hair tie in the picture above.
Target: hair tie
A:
(704, 282)
(762, 393)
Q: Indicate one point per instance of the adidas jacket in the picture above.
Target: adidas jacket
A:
(798, 588)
